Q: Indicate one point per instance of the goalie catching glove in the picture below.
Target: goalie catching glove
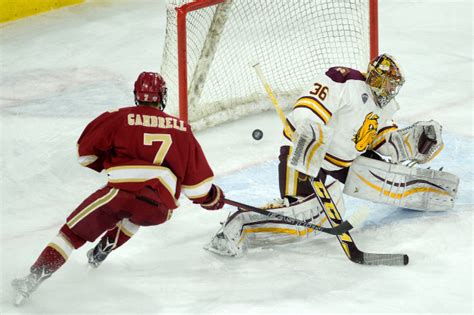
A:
(214, 199)
(420, 143)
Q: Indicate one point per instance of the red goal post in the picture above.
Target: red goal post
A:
(210, 44)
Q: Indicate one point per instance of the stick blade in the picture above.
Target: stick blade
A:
(385, 259)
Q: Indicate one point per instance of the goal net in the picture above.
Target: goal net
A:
(210, 46)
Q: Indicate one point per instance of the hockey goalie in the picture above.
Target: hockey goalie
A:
(341, 133)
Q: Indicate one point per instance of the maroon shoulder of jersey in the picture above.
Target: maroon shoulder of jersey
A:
(343, 74)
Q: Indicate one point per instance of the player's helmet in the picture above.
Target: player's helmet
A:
(150, 87)
(385, 78)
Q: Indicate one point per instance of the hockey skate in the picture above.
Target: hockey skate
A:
(98, 254)
(24, 287)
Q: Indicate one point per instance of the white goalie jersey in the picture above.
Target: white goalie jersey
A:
(331, 125)
(341, 104)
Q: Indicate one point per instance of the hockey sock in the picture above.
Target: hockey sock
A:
(49, 260)
(54, 255)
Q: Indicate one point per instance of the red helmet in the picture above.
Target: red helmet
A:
(150, 87)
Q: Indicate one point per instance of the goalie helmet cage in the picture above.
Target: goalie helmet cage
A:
(210, 46)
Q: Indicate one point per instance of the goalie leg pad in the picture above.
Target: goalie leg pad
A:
(262, 230)
(402, 186)
(247, 229)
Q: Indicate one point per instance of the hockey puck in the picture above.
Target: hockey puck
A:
(257, 134)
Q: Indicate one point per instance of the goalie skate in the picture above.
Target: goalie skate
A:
(222, 245)
(24, 287)
(229, 240)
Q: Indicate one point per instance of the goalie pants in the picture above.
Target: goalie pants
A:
(117, 213)
(294, 183)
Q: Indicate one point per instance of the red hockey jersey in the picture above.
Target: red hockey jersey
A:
(142, 145)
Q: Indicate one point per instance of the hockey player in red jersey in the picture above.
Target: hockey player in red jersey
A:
(150, 159)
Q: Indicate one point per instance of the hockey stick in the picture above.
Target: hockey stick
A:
(329, 207)
(341, 228)
(345, 239)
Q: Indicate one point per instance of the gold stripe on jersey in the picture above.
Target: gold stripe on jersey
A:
(198, 190)
(92, 207)
(337, 161)
(315, 106)
(379, 139)
(143, 173)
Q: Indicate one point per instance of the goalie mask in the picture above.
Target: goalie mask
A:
(384, 78)
(150, 87)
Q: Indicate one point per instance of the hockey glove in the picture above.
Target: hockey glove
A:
(420, 142)
(214, 199)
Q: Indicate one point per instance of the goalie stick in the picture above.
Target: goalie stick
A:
(330, 210)
(341, 228)
(345, 239)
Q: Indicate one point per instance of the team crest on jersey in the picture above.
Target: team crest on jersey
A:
(365, 97)
(366, 134)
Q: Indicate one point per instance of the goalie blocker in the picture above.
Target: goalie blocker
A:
(402, 186)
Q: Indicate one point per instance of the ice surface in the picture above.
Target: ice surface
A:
(62, 68)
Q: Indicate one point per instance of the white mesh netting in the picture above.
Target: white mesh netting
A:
(293, 40)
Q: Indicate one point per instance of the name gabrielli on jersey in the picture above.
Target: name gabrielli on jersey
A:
(155, 121)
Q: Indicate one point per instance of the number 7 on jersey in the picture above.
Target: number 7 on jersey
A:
(166, 141)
